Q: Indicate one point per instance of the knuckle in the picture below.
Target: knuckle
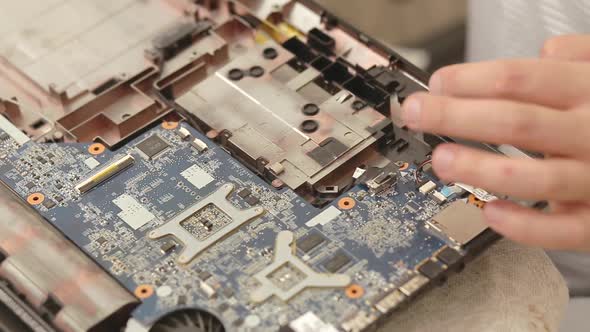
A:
(447, 78)
(437, 113)
(509, 78)
(506, 170)
(551, 183)
(521, 125)
(468, 167)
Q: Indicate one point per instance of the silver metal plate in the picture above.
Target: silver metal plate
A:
(194, 246)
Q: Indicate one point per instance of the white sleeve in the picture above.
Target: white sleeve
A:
(518, 28)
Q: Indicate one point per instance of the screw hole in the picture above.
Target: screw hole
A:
(270, 53)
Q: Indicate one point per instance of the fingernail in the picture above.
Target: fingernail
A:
(412, 111)
(443, 159)
(436, 84)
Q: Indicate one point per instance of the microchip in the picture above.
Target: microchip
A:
(204, 275)
(238, 322)
(41, 160)
(223, 307)
(4, 136)
(30, 185)
(310, 242)
(227, 292)
(167, 247)
(50, 155)
(252, 200)
(244, 193)
(413, 206)
(48, 203)
(207, 224)
(59, 199)
(336, 262)
(152, 146)
(101, 240)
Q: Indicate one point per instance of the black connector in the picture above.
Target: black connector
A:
(320, 41)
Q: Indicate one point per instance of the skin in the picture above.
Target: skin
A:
(540, 105)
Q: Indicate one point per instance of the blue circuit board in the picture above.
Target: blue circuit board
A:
(383, 236)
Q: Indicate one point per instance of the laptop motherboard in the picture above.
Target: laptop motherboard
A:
(233, 165)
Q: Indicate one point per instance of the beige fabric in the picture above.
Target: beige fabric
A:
(510, 288)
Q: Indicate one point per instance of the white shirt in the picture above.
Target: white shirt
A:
(517, 29)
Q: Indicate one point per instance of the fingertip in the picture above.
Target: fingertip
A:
(443, 160)
(436, 83)
(535, 228)
(495, 212)
(412, 111)
(500, 216)
(549, 47)
(441, 82)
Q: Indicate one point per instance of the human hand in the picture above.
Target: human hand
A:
(541, 105)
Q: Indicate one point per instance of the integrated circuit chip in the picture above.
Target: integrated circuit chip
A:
(48, 203)
(244, 193)
(310, 242)
(152, 146)
(336, 262)
(206, 221)
(252, 200)
(167, 247)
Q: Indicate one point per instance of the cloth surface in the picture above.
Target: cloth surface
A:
(509, 288)
(518, 29)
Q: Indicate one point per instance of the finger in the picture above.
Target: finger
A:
(557, 84)
(500, 122)
(562, 207)
(565, 231)
(568, 48)
(552, 179)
